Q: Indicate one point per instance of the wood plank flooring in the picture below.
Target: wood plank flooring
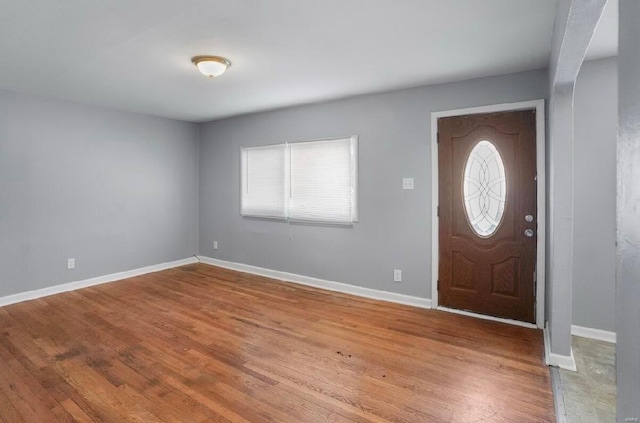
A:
(204, 344)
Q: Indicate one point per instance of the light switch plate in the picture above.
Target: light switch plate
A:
(407, 183)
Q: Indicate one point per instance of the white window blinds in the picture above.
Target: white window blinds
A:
(311, 181)
(322, 181)
(263, 181)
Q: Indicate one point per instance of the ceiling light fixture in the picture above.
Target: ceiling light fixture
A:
(211, 66)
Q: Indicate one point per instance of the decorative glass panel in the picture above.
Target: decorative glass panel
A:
(485, 188)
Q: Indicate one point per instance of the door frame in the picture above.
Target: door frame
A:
(538, 105)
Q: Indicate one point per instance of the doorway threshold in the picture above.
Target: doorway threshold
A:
(487, 317)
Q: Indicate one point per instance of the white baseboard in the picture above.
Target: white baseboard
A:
(321, 283)
(71, 286)
(567, 362)
(598, 334)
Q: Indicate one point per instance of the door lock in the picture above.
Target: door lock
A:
(528, 218)
(528, 233)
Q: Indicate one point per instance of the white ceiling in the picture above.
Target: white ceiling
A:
(135, 55)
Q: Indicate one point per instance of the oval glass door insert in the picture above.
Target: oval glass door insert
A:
(485, 189)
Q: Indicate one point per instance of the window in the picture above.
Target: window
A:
(312, 181)
(485, 188)
(263, 181)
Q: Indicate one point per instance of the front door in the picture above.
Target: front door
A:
(487, 199)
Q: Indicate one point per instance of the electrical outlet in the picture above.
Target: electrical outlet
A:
(397, 275)
(71, 263)
(407, 183)
(215, 245)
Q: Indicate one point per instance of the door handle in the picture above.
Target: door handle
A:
(528, 218)
(528, 233)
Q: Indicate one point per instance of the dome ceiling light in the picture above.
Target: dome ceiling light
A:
(211, 66)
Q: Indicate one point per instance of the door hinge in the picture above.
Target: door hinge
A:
(438, 211)
(438, 138)
(535, 283)
(438, 285)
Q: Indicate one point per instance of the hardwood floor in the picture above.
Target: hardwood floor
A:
(204, 344)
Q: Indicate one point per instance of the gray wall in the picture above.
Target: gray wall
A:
(628, 216)
(559, 266)
(596, 126)
(573, 30)
(394, 142)
(115, 190)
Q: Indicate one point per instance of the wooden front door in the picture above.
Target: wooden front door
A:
(488, 225)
